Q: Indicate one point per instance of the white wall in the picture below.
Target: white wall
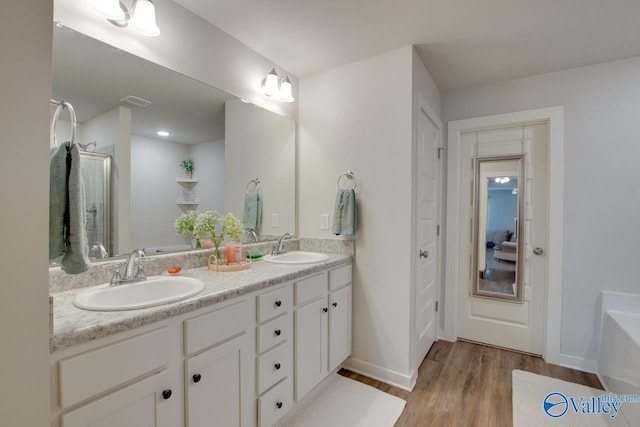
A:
(353, 118)
(25, 48)
(602, 206)
(189, 45)
(210, 171)
(155, 166)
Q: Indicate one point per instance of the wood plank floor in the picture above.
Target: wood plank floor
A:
(466, 384)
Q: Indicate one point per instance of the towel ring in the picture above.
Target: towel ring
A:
(61, 105)
(350, 176)
(256, 182)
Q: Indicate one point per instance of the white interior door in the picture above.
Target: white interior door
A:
(428, 136)
(514, 325)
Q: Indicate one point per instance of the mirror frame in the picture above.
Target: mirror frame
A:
(475, 291)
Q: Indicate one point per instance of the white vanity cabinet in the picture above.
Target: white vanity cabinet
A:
(235, 363)
(274, 354)
(124, 382)
(218, 369)
(322, 320)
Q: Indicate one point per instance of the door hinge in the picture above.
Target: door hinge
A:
(438, 230)
(436, 306)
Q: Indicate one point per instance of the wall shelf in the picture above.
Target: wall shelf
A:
(182, 202)
(187, 180)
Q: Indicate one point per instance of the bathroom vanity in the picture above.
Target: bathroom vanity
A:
(222, 358)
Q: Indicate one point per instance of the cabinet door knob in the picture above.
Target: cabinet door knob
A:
(335, 304)
(277, 332)
(197, 378)
(325, 309)
(279, 405)
(277, 366)
(166, 394)
(278, 303)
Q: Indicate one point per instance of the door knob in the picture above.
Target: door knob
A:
(424, 254)
(538, 251)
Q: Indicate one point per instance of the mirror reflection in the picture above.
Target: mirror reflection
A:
(497, 218)
(122, 102)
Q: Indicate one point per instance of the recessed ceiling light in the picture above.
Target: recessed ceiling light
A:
(163, 133)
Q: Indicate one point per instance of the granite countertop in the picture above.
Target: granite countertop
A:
(72, 326)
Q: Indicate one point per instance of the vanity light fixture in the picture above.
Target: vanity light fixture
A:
(163, 133)
(502, 180)
(280, 89)
(140, 15)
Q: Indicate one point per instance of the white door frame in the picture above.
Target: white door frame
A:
(421, 104)
(554, 117)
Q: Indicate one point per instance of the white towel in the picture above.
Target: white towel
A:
(67, 231)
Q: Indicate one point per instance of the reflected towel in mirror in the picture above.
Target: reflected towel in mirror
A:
(252, 215)
(344, 215)
(67, 232)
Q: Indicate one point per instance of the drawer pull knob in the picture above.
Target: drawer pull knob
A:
(197, 378)
(166, 394)
(278, 303)
(279, 405)
(277, 366)
(325, 309)
(277, 332)
(335, 304)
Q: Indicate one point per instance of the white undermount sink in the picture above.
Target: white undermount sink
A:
(154, 291)
(297, 257)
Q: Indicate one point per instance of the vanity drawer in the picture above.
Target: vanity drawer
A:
(340, 277)
(274, 365)
(275, 332)
(310, 288)
(274, 303)
(212, 328)
(275, 403)
(88, 374)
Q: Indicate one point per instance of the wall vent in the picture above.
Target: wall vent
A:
(135, 101)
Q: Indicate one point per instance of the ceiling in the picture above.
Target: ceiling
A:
(462, 42)
(94, 77)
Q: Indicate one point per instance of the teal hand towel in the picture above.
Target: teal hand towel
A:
(67, 231)
(344, 214)
(252, 215)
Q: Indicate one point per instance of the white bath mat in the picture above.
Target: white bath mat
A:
(341, 402)
(531, 392)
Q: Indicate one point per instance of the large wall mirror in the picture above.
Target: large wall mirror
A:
(230, 141)
(497, 219)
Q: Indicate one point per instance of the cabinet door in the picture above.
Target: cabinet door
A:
(339, 327)
(218, 389)
(311, 345)
(147, 403)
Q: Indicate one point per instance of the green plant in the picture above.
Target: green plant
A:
(207, 223)
(186, 223)
(188, 165)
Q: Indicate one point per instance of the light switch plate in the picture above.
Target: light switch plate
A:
(324, 221)
(274, 220)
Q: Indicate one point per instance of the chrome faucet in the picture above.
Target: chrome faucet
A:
(252, 234)
(129, 276)
(279, 248)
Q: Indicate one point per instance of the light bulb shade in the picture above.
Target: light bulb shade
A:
(506, 179)
(286, 91)
(109, 9)
(270, 83)
(143, 20)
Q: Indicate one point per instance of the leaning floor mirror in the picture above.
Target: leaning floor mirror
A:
(498, 207)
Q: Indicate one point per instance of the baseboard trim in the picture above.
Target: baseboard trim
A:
(579, 363)
(396, 379)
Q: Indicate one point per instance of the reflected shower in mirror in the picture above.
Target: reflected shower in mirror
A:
(498, 206)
